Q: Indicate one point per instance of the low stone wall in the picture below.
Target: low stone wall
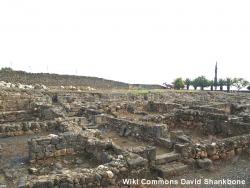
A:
(102, 176)
(246, 118)
(106, 175)
(117, 164)
(88, 113)
(70, 143)
(36, 112)
(226, 128)
(124, 127)
(31, 127)
(148, 152)
(14, 129)
(198, 116)
(222, 106)
(240, 108)
(208, 109)
(15, 116)
(195, 119)
(14, 101)
(211, 123)
(161, 107)
(222, 149)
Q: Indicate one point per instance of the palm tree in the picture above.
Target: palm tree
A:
(229, 83)
(221, 84)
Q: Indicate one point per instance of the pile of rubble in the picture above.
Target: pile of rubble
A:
(22, 86)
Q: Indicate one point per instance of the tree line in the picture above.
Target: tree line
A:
(202, 82)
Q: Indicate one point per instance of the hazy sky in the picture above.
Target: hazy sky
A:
(132, 41)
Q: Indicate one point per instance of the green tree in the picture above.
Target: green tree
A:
(229, 83)
(202, 82)
(178, 83)
(188, 82)
(195, 83)
(239, 83)
(221, 83)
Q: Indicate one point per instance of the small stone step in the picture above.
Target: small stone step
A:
(167, 157)
(166, 142)
(170, 169)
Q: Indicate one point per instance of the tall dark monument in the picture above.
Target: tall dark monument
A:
(215, 77)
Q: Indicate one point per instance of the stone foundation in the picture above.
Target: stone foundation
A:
(143, 131)
(223, 149)
(162, 107)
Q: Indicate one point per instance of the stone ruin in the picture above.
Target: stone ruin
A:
(60, 138)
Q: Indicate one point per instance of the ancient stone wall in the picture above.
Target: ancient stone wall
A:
(15, 116)
(117, 164)
(211, 123)
(10, 101)
(240, 108)
(161, 107)
(127, 128)
(32, 127)
(106, 175)
(222, 106)
(67, 144)
(20, 128)
(222, 149)
(209, 109)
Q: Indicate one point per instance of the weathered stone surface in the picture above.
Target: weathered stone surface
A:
(171, 169)
(137, 162)
(148, 152)
(204, 163)
(167, 157)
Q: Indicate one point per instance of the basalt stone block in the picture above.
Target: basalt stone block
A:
(2, 129)
(50, 148)
(25, 127)
(211, 149)
(54, 140)
(204, 163)
(148, 152)
(175, 134)
(137, 162)
(166, 142)
(43, 141)
(61, 145)
(37, 148)
(167, 157)
(183, 149)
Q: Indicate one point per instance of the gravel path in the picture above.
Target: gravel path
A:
(237, 169)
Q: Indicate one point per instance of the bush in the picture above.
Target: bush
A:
(178, 83)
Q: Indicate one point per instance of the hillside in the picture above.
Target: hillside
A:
(9, 75)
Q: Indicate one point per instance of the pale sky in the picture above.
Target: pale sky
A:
(135, 41)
